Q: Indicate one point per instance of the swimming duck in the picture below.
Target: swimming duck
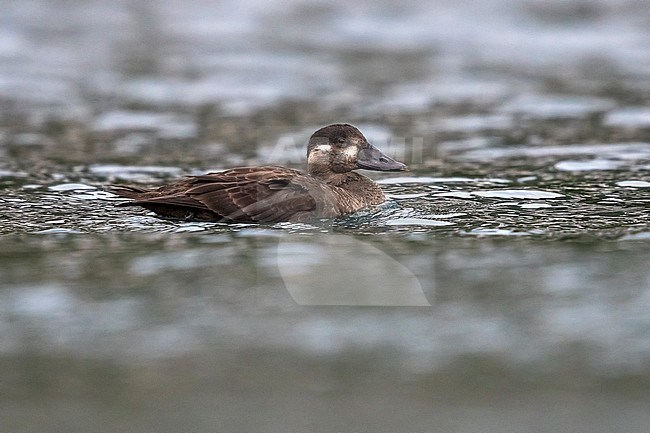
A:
(329, 189)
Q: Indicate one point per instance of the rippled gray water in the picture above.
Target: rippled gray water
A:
(503, 287)
(593, 191)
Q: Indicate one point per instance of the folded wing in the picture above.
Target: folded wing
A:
(247, 194)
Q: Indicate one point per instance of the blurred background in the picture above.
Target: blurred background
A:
(88, 81)
(524, 219)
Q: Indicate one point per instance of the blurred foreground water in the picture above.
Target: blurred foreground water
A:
(504, 287)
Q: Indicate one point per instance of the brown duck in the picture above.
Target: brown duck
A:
(272, 194)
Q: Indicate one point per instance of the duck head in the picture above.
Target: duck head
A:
(341, 148)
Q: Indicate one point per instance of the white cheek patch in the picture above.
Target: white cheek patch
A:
(351, 152)
(319, 153)
(326, 148)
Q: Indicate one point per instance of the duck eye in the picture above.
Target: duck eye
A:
(341, 140)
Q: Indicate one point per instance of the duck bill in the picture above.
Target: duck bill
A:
(372, 158)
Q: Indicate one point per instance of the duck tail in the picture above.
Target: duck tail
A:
(133, 192)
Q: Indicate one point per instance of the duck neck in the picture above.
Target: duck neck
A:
(336, 179)
(368, 189)
(358, 185)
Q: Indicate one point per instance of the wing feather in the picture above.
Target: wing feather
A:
(253, 194)
(268, 199)
(169, 200)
